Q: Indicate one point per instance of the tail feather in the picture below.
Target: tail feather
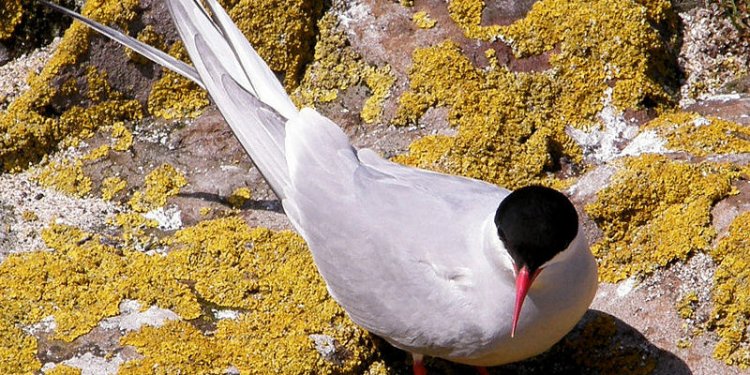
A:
(248, 94)
(263, 81)
(258, 126)
(149, 52)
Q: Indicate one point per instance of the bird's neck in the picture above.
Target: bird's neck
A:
(494, 250)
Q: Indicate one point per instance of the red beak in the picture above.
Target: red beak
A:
(523, 283)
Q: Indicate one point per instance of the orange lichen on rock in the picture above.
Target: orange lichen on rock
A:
(133, 227)
(174, 96)
(699, 135)
(30, 131)
(123, 138)
(651, 218)
(380, 81)
(511, 125)
(111, 186)
(63, 370)
(161, 183)
(17, 349)
(270, 276)
(601, 44)
(731, 314)
(423, 20)
(288, 32)
(467, 14)
(66, 176)
(11, 13)
(98, 153)
(337, 67)
(267, 279)
(239, 197)
(507, 129)
(149, 36)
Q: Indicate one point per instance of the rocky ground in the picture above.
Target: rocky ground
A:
(119, 245)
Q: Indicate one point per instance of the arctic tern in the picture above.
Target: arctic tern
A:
(437, 265)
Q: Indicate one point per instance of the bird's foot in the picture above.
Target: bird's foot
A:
(482, 370)
(418, 365)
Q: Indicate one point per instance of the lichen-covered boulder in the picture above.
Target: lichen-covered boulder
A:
(137, 237)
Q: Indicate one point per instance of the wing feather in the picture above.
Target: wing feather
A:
(262, 80)
(394, 244)
(384, 235)
(259, 127)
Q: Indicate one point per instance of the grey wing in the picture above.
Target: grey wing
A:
(394, 244)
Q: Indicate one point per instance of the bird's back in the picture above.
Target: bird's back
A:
(401, 249)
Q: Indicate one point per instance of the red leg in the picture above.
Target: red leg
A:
(482, 371)
(418, 366)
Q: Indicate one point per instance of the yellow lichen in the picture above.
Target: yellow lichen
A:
(122, 136)
(509, 129)
(275, 281)
(423, 20)
(701, 136)
(11, 13)
(66, 176)
(29, 126)
(174, 96)
(654, 212)
(601, 44)
(492, 60)
(133, 226)
(467, 14)
(205, 211)
(684, 343)
(29, 215)
(83, 281)
(111, 186)
(288, 32)
(380, 81)
(221, 267)
(63, 370)
(17, 350)
(686, 305)
(97, 154)
(175, 348)
(267, 277)
(731, 298)
(74, 284)
(161, 183)
(147, 35)
(239, 197)
(511, 126)
(98, 87)
(336, 66)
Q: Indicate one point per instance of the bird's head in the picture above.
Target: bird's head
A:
(535, 224)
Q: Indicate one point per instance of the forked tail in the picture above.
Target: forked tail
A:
(247, 92)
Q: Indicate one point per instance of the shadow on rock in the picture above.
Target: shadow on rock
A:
(599, 344)
(273, 205)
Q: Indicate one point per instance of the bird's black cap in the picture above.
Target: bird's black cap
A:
(535, 223)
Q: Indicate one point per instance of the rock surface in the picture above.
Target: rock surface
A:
(654, 320)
